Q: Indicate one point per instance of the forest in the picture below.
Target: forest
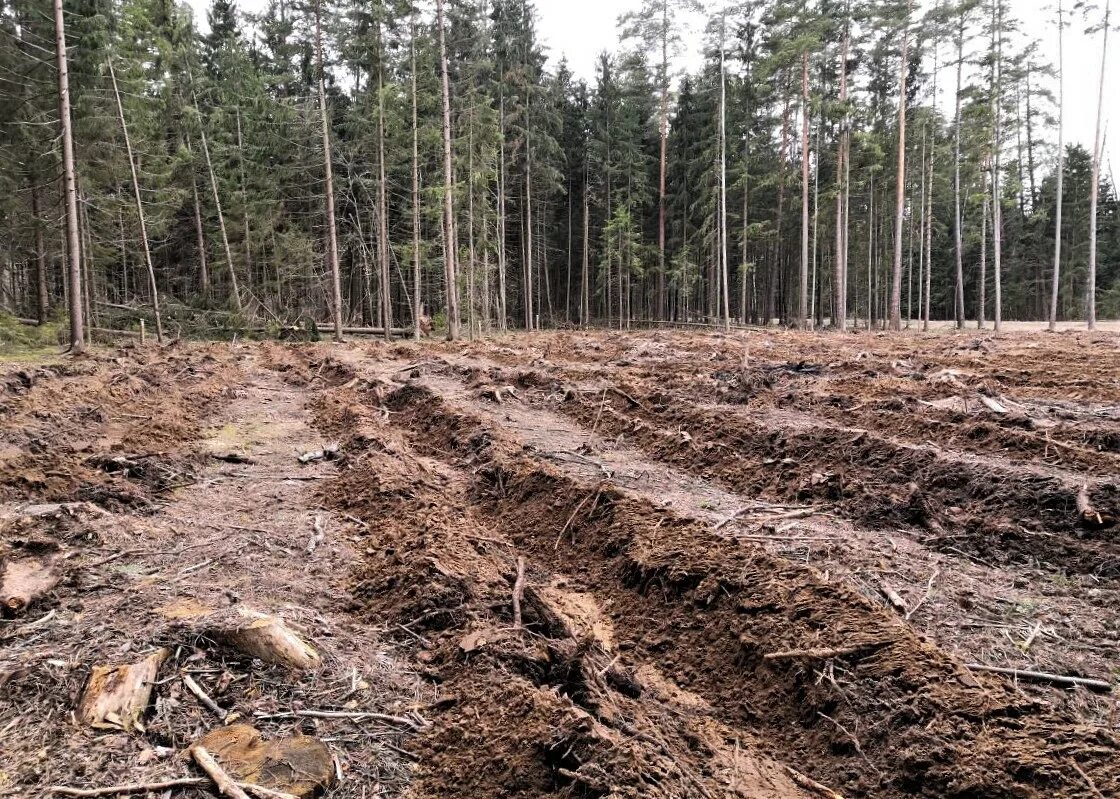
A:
(388, 410)
(381, 166)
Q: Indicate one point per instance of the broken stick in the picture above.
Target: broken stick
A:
(815, 654)
(1043, 676)
(203, 697)
(518, 592)
(226, 786)
(810, 784)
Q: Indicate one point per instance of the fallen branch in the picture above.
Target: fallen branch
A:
(815, 654)
(1043, 676)
(572, 518)
(204, 698)
(226, 786)
(518, 592)
(135, 787)
(353, 715)
(892, 596)
(810, 784)
(925, 596)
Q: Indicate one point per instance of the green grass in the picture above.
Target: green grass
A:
(27, 343)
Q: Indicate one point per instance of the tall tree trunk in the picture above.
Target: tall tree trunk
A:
(1095, 190)
(723, 176)
(900, 184)
(42, 296)
(416, 304)
(663, 131)
(328, 180)
(982, 305)
(997, 144)
(803, 299)
(139, 206)
(244, 201)
(585, 285)
(839, 295)
(1061, 168)
(383, 202)
(958, 233)
(503, 317)
(70, 183)
(451, 277)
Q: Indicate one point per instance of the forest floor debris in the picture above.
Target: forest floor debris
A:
(766, 564)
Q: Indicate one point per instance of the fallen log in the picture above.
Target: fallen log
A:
(26, 579)
(266, 637)
(1091, 683)
(809, 784)
(116, 697)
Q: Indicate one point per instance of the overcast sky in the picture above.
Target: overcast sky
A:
(580, 29)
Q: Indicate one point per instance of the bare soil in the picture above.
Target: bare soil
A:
(764, 564)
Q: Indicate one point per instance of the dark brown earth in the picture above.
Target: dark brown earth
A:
(752, 565)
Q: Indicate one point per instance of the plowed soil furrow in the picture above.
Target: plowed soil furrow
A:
(874, 708)
(552, 707)
(996, 511)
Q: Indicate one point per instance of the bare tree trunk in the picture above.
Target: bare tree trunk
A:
(244, 201)
(383, 204)
(1091, 311)
(585, 287)
(723, 177)
(958, 233)
(416, 305)
(328, 181)
(139, 205)
(663, 130)
(983, 304)
(900, 185)
(70, 182)
(451, 277)
(528, 285)
(1061, 168)
(503, 318)
(42, 296)
(839, 295)
(997, 205)
(925, 310)
(803, 299)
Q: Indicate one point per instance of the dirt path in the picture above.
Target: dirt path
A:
(240, 535)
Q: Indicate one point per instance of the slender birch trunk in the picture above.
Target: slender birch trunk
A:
(70, 183)
(1091, 312)
(803, 298)
(451, 277)
(900, 184)
(958, 232)
(328, 179)
(1061, 168)
(416, 305)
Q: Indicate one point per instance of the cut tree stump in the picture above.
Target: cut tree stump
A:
(116, 697)
(25, 579)
(301, 765)
(266, 637)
